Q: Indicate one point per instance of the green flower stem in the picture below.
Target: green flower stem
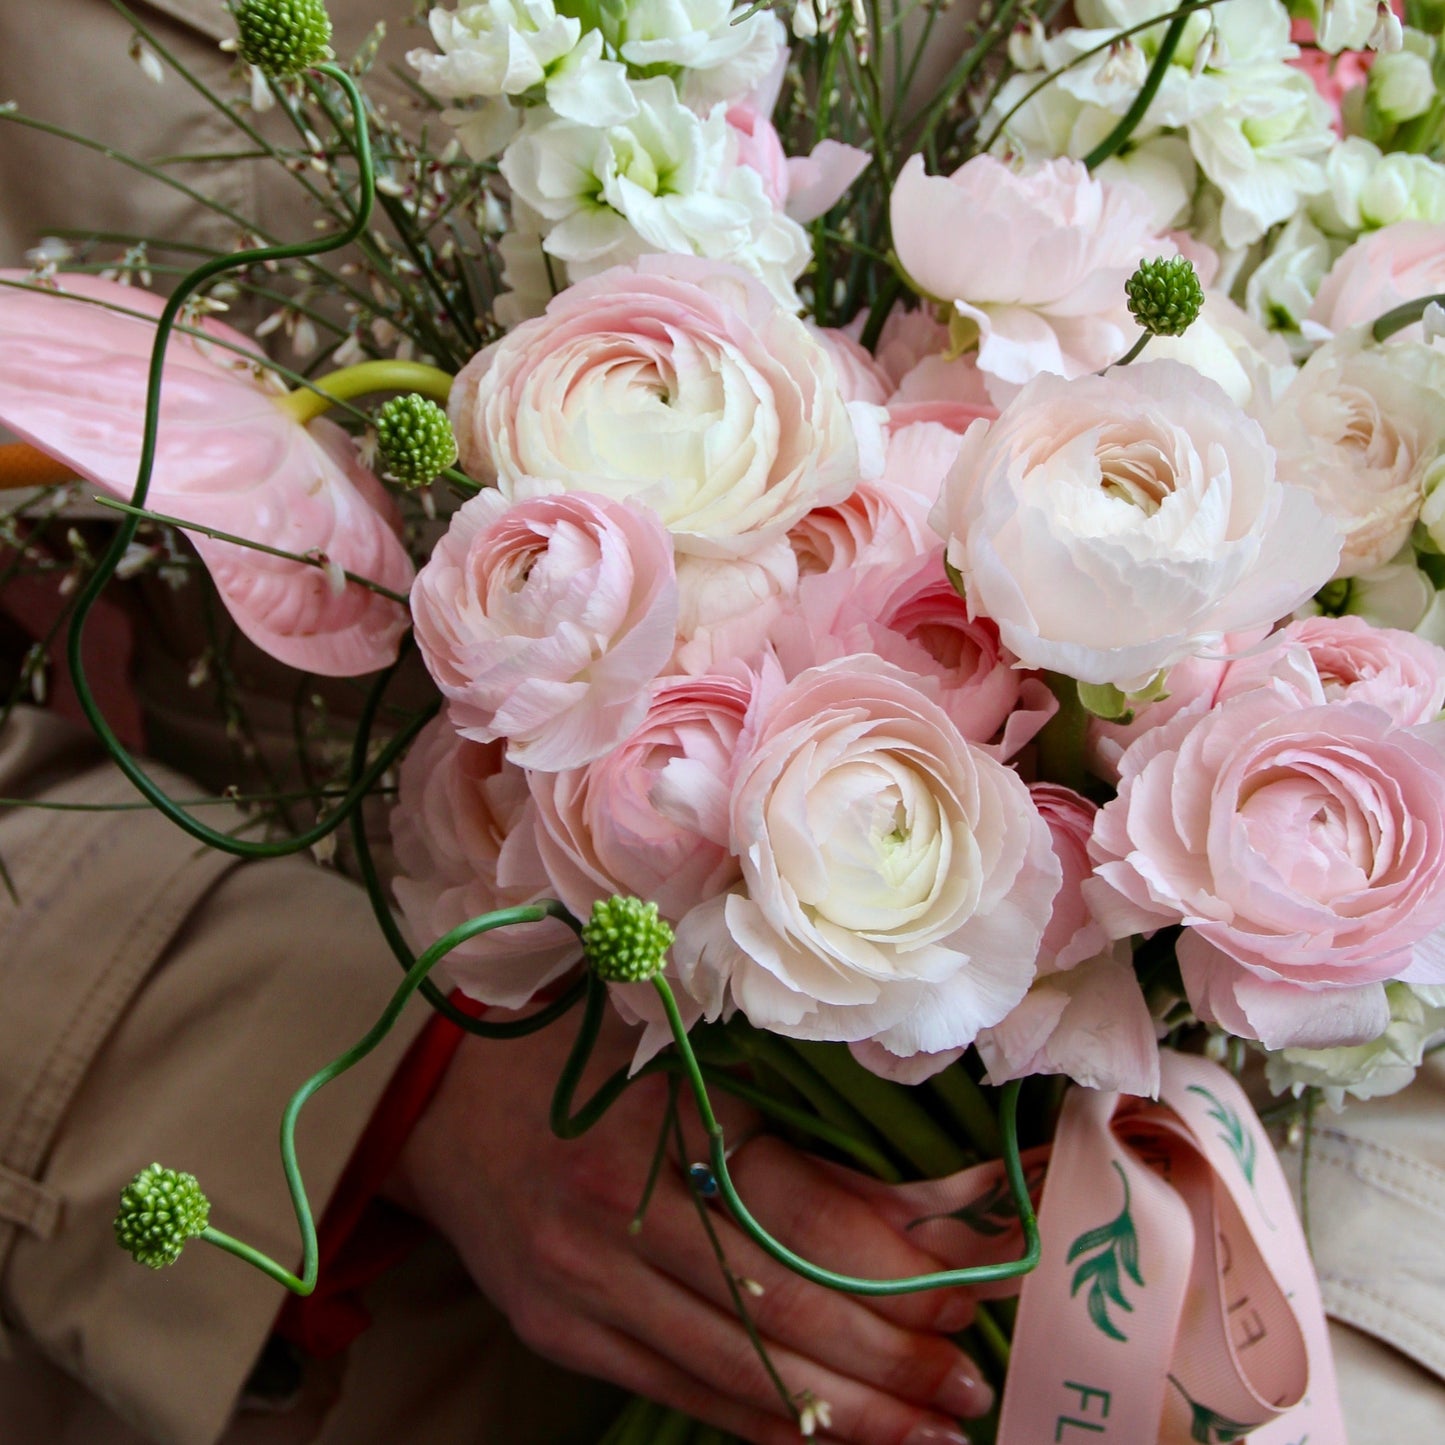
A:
(363, 379)
(992, 1334)
(1402, 316)
(145, 514)
(1061, 742)
(910, 1129)
(968, 1108)
(1129, 121)
(1132, 354)
(304, 1283)
(854, 1284)
(127, 530)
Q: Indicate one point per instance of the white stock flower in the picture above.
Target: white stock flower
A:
(1367, 1071)
(723, 56)
(1340, 24)
(1365, 190)
(1400, 87)
(665, 180)
(1282, 289)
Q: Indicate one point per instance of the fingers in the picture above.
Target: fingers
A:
(726, 1383)
(806, 1208)
(836, 1330)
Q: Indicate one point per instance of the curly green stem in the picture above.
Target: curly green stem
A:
(364, 378)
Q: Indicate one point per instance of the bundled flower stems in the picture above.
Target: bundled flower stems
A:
(924, 533)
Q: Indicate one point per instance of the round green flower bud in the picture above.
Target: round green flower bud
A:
(160, 1209)
(414, 440)
(625, 941)
(1164, 295)
(281, 38)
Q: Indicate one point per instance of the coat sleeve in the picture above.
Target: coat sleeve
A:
(160, 1001)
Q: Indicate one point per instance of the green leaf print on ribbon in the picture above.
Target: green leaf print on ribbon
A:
(1208, 1426)
(993, 1212)
(1114, 1252)
(1234, 1133)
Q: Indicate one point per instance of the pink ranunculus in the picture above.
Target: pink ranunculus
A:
(651, 817)
(860, 378)
(1090, 1023)
(909, 337)
(805, 187)
(1304, 847)
(1113, 525)
(465, 834)
(896, 879)
(760, 149)
(1036, 261)
(73, 365)
(910, 615)
(727, 607)
(1381, 271)
(544, 622)
(678, 383)
(1073, 934)
(883, 521)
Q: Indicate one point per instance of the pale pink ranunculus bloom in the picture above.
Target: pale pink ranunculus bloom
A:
(228, 456)
(543, 622)
(805, 187)
(1036, 260)
(1073, 934)
(1113, 525)
(675, 382)
(908, 337)
(1381, 271)
(1361, 427)
(896, 879)
(464, 831)
(1090, 1023)
(1346, 659)
(1303, 845)
(882, 521)
(909, 615)
(728, 606)
(651, 817)
(860, 378)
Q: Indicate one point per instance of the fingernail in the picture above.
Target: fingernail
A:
(963, 1393)
(936, 1435)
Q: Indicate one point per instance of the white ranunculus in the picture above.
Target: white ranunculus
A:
(677, 384)
(1265, 148)
(1113, 525)
(1367, 1071)
(1362, 429)
(665, 180)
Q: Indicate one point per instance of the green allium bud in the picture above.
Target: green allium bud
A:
(1164, 295)
(160, 1209)
(282, 37)
(625, 941)
(414, 440)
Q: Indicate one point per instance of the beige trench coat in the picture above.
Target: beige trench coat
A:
(161, 964)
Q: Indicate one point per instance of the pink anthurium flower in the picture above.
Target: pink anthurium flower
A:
(228, 456)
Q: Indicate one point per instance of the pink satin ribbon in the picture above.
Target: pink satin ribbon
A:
(1175, 1301)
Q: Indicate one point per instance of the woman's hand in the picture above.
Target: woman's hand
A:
(543, 1226)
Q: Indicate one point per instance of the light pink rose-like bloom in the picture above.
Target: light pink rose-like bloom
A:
(910, 616)
(543, 623)
(1361, 428)
(465, 835)
(651, 817)
(1304, 847)
(896, 879)
(1113, 525)
(909, 337)
(860, 378)
(883, 521)
(727, 607)
(676, 382)
(228, 455)
(1090, 1023)
(1346, 659)
(1035, 260)
(1073, 934)
(1381, 271)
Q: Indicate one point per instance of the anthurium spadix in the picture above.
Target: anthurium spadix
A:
(229, 456)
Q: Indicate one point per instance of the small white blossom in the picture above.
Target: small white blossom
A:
(147, 60)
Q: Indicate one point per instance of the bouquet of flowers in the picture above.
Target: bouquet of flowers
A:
(924, 531)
